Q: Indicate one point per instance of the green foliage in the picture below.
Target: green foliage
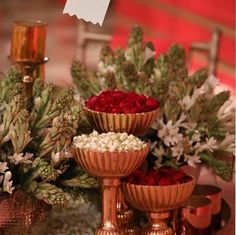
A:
(43, 125)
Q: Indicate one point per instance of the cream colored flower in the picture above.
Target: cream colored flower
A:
(20, 158)
(112, 142)
(3, 167)
(192, 160)
(7, 184)
(169, 133)
(210, 145)
(226, 115)
(37, 102)
(158, 152)
(209, 85)
(187, 102)
(177, 150)
(104, 69)
(128, 54)
(57, 158)
(228, 144)
(148, 54)
(196, 137)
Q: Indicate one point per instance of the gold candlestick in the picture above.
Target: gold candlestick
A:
(28, 48)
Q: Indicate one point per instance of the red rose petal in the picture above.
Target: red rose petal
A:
(121, 102)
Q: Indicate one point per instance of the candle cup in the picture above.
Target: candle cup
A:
(196, 216)
(28, 41)
(27, 50)
(214, 194)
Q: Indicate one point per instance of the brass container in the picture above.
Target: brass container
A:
(196, 216)
(133, 123)
(214, 194)
(158, 201)
(110, 166)
(22, 214)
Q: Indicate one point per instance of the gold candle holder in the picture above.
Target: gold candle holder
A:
(110, 167)
(214, 194)
(158, 201)
(196, 216)
(28, 48)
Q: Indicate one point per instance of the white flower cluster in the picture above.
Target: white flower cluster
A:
(187, 146)
(111, 141)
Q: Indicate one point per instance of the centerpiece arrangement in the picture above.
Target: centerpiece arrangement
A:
(195, 125)
(179, 118)
(36, 166)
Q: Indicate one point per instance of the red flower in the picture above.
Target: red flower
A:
(121, 102)
(151, 103)
(150, 181)
(164, 181)
(163, 176)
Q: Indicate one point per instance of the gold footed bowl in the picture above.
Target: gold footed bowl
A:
(158, 201)
(110, 166)
(132, 123)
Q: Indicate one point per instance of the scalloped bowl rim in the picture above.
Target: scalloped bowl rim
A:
(122, 114)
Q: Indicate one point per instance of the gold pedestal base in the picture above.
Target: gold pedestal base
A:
(158, 225)
(125, 215)
(124, 219)
(109, 224)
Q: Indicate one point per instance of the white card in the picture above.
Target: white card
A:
(89, 10)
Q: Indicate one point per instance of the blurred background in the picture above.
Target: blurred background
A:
(204, 27)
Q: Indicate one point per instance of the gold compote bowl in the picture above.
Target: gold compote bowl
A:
(110, 167)
(158, 201)
(131, 123)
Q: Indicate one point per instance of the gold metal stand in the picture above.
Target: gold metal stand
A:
(109, 224)
(158, 224)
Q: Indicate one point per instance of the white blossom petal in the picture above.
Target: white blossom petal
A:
(18, 158)
(3, 167)
(112, 142)
(7, 184)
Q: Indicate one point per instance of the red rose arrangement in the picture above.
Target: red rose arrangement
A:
(161, 177)
(121, 102)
